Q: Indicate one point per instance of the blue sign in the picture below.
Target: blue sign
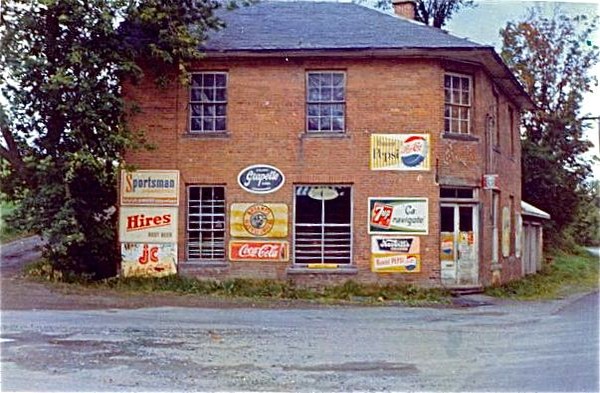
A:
(261, 179)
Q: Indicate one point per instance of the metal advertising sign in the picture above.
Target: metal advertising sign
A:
(268, 251)
(407, 216)
(148, 259)
(150, 187)
(400, 152)
(518, 234)
(261, 179)
(148, 224)
(395, 254)
(259, 220)
(490, 182)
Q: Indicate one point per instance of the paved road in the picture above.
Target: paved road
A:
(546, 346)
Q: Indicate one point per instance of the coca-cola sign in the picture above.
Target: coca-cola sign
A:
(261, 179)
(258, 251)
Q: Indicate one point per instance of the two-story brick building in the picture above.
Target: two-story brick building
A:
(325, 141)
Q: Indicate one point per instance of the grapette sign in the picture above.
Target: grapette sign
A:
(148, 224)
(150, 187)
(274, 251)
(261, 179)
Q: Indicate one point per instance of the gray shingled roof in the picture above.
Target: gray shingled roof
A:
(307, 25)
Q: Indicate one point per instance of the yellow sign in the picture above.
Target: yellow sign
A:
(148, 259)
(259, 220)
(145, 188)
(400, 152)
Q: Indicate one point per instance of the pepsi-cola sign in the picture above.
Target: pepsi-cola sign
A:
(261, 179)
(400, 152)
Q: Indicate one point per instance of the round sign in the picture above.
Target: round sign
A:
(261, 179)
(259, 220)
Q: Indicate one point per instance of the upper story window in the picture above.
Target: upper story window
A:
(457, 98)
(208, 102)
(326, 101)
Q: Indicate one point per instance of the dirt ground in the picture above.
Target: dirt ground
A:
(19, 293)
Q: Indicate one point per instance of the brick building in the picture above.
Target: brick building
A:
(323, 141)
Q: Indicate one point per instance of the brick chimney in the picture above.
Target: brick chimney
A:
(405, 8)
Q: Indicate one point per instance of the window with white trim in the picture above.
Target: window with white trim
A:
(208, 102)
(457, 99)
(205, 237)
(323, 225)
(325, 101)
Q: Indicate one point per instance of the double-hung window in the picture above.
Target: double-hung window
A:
(323, 225)
(208, 102)
(205, 240)
(326, 101)
(457, 98)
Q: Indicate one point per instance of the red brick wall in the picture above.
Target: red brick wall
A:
(266, 124)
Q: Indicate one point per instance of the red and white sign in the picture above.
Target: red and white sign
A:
(148, 260)
(275, 251)
(490, 182)
(148, 224)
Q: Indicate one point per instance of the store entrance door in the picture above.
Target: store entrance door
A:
(459, 255)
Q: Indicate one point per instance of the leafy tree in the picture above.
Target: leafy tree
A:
(433, 12)
(552, 57)
(64, 126)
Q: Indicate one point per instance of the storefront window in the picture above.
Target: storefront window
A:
(205, 223)
(323, 225)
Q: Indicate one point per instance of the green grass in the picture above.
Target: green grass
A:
(568, 274)
(7, 233)
(272, 289)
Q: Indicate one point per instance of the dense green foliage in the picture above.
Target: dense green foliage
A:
(433, 12)
(64, 128)
(552, 58)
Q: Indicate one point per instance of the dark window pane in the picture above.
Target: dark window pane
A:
(209, 110)
(196, 80)
(207, 125)
(325, 124)
(208, 94)
(220, 80)
(313, 123)
(325, 110)
(196, 110)
(196, 95)
(447, 193)
(337, 110)
(313, 109)
(464, 193)
(220, 95)
(338, 209)
(325, 79)
(338, 94)
(308, 210)
(338, 80)
(220, 124)
(221, 110)
(209, 79)
(447, 224)
(196, 124)
(313, 94)
(325, 94)
(466, 218)
(338, 123)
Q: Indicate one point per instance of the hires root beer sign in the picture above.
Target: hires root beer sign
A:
(275, 251)
(148, 224)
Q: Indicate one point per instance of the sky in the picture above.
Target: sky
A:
(483, 23)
